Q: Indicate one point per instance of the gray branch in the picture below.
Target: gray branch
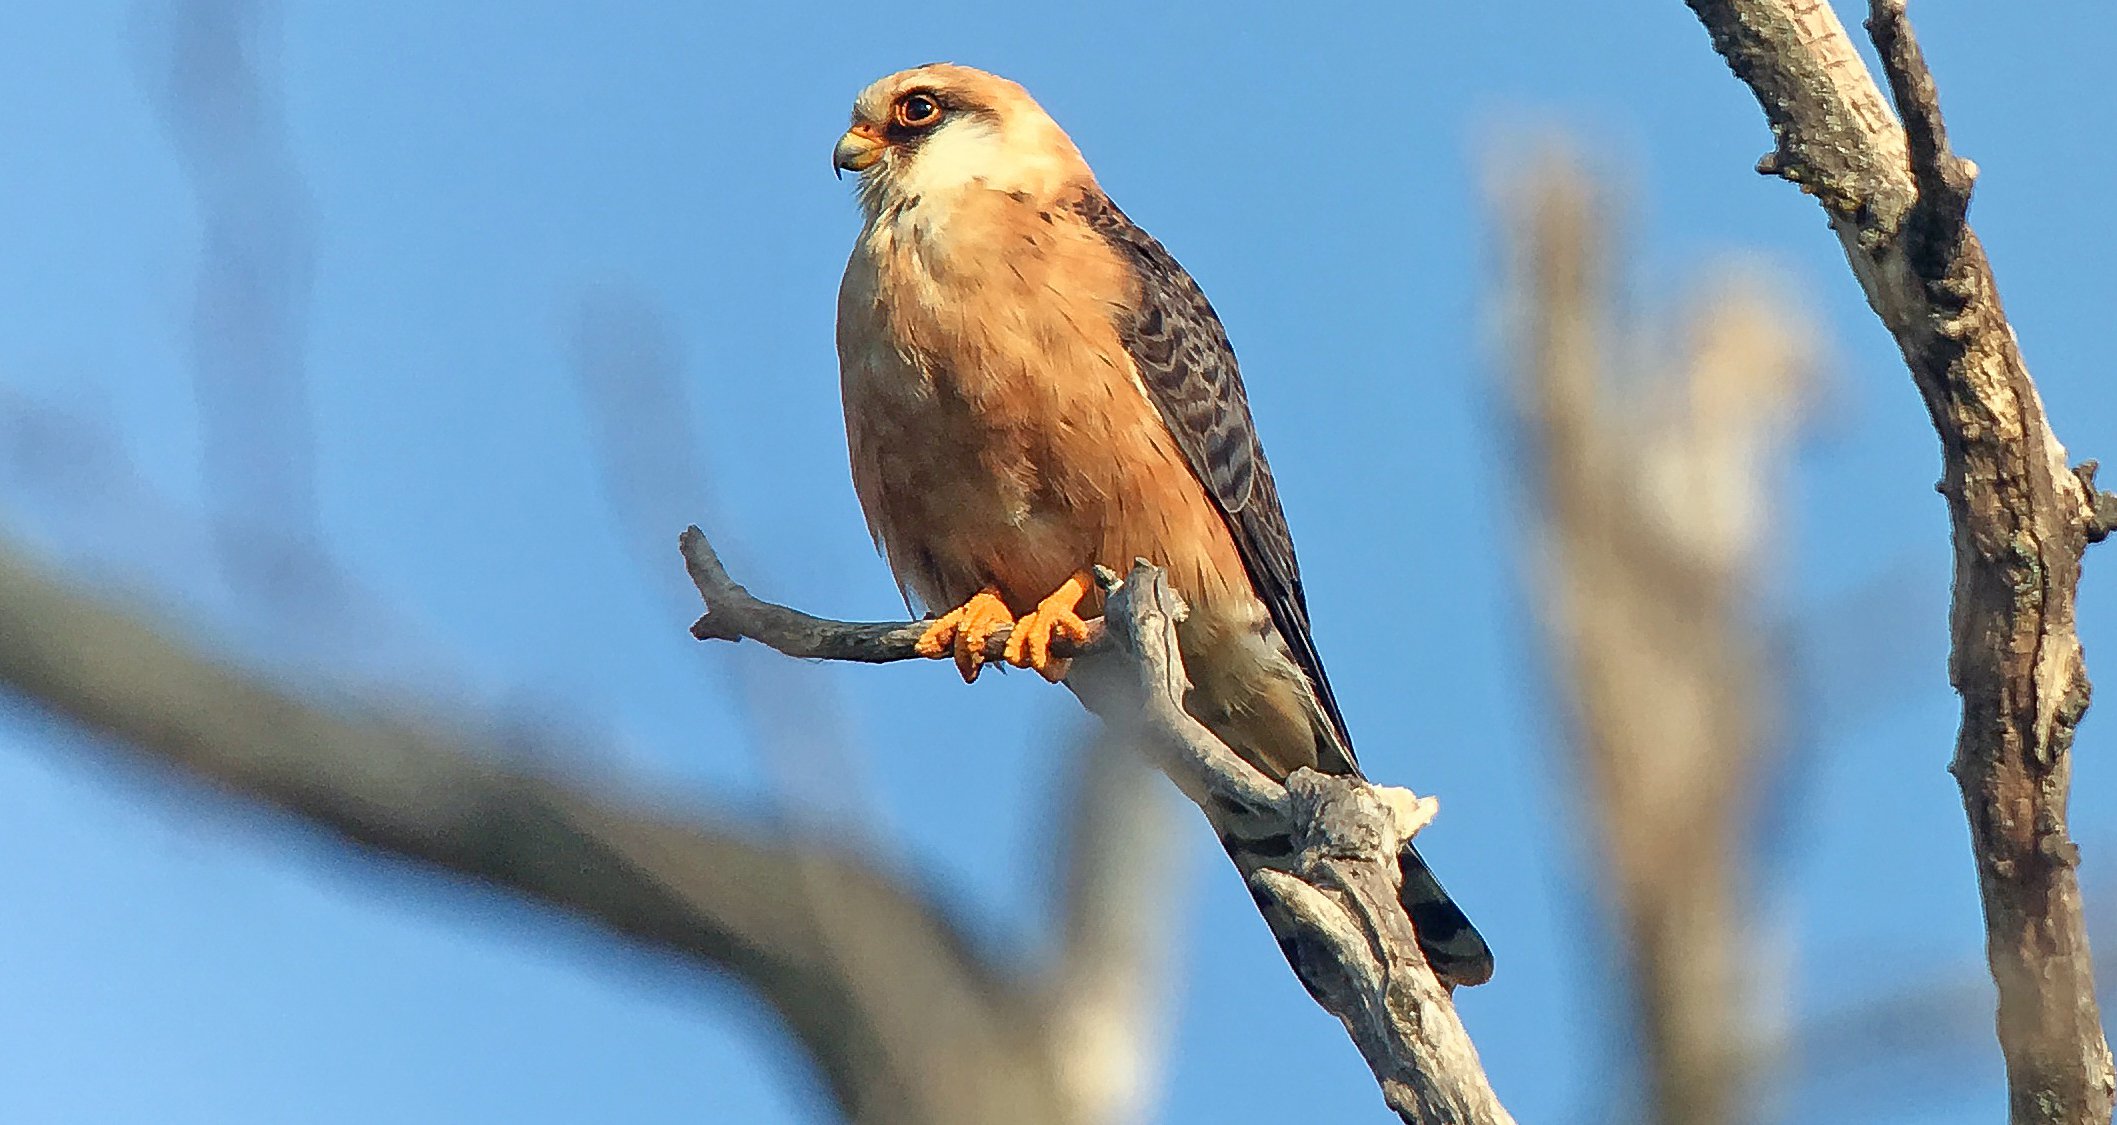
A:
(2021, 517)
(734, 614)
(1334, 906)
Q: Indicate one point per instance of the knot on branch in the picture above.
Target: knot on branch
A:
(1340, 891)
(2102, 506)
(2103, 521)
(1345, 817)
(1836, 194)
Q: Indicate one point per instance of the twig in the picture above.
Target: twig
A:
(733, 614)
(1938, 221)
(2021, 517)
(1334, 907)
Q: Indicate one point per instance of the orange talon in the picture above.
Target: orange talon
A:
(964, 631)
(1029, 646)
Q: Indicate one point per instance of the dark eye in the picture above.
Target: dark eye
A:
(917, 111)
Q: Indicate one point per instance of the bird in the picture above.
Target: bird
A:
(1033, 387)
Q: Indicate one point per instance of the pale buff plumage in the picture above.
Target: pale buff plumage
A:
(1033, 386)
(998, 431)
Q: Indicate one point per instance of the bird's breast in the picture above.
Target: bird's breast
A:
(997, 431)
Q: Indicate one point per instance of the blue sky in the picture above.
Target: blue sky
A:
(474, 172)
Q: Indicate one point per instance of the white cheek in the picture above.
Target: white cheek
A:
(957, 155)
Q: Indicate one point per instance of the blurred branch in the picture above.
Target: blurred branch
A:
(1656, 532)
(1931, 1036)
(905, 1021)
(446, 799)
(2021, 516)
(256, 265)
(1334, 904)
(629, 363)
(1109, 989)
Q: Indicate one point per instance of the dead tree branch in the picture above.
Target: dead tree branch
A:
(2021, 516)
(1335, 904)
(449, 801)
(734, 614)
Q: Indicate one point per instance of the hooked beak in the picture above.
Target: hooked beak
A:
(857, 150)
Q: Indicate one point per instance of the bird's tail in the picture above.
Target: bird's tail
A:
(1452, 945)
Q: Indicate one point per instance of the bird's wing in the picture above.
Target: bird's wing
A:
(1185, 363)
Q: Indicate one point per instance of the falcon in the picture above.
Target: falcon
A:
(1034, 387)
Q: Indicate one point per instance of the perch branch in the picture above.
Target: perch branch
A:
(2021, 518)
(734, 614)
(1335, 904)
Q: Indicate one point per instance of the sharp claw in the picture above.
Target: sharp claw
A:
(964, 631)
(1030, 644)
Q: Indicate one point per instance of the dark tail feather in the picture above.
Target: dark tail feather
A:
(1452, 945)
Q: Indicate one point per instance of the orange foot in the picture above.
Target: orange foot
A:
(964, 631)
(1029, 646)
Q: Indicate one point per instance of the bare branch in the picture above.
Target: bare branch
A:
(2021, 517)
(447, 800)
(1334, 907)
(733, 614)
(1355, 949)
(1136, 683)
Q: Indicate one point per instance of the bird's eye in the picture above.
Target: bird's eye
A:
(917, 111)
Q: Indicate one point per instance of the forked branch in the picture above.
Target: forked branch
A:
(1334, 905)
(2021, 517)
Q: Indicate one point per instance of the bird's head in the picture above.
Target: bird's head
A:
(938, 129)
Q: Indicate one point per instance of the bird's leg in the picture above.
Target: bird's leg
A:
(1029, 646)
(964, 631)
